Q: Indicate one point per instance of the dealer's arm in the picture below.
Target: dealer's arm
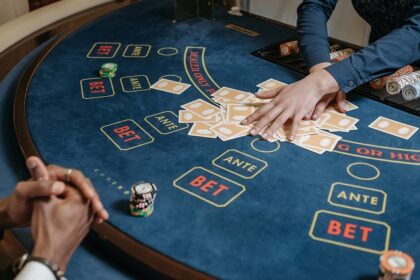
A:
(396, 49)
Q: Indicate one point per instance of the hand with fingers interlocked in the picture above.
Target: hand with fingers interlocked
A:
(46, 181)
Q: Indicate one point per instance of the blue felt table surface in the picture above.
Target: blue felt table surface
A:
(12, 166)
(262, 234)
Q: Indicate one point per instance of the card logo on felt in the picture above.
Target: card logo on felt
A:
(127, 134)
(165, 122)
(240, 164)
(104, 50)
(357, 198)
(209, 186)
(92, 88)
(349, 231)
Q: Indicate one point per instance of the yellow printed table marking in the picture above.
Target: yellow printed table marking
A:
(362, 199)
(138, 48)
(96, 97)
(176, 185)
(162, 51)
(135, 123)
(264, 151)
(135, 83)
(103, 43)
(171, 76)
(378, 172)
(244, 165)
(343, 244)
(172, 127)
(242, 30)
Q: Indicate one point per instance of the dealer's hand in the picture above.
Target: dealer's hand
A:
(292, 102)
(59, 225)
(339, 97)
(41, 172)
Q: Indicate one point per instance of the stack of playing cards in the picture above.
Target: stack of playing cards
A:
(223, 122)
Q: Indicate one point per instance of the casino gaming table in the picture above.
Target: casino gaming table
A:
(294, 214)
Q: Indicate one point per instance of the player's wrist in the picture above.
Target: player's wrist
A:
(54, 255)
(319, 66)
(324, 82)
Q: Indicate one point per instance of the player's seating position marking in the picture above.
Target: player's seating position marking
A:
(127, 134)
(349, 231)
(104, 50)
(135, 83)
(165, 122)
(240, 164)
(357, 198)
(93, 88)
(263, 146)
(209, 186)
(137, 51)
(366, 178)
(167, 51)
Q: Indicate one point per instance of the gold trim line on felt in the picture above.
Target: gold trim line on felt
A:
(242, 30)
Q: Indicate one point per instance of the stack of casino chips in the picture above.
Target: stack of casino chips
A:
(395, 85)
(395, 265)
(289, 48)
(142, 199)
(411, 92)
(108, 70)
(381, 82)
(341, 54)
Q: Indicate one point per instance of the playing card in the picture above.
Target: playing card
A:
(237, 113)
(350, 106)
(170, 86)
(322, 140)
(232, 94)
(201, 108)
(394, 128)
(201, 130)
(312, 149)
(229, 131)
(185, 116)
(271, 84)
(340, 121)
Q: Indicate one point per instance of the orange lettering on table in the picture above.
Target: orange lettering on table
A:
(210, 184)
(121, 129)
(97, 87)
(349, 231)
(365, 233)
(198, 181)
(334, 228)
(221, 189)
(103, 49)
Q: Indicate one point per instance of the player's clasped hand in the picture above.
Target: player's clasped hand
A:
(59, 224)
(292, 102)
(46, 182)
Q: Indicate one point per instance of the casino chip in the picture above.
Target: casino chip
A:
(142, 199)
(395, 265)
(108, 70)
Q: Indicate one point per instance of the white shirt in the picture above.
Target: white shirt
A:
(35, 270)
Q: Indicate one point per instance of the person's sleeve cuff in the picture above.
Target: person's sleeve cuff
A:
(344, 73)
(35, 270)
(316, 56)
